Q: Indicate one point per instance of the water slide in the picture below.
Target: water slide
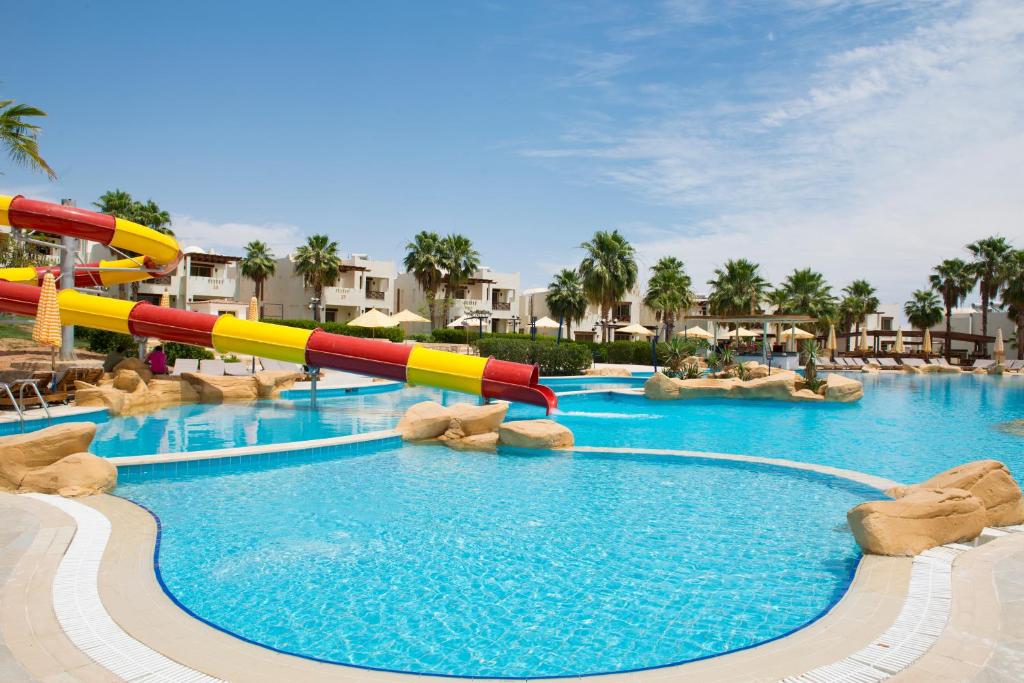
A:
(416, 365)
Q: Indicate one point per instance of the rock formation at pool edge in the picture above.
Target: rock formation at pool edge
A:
(132, 388)
(54, 460)
(780, 385)
(468, 427)
(951, 507)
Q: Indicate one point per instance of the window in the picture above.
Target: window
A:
(330, 315)
(621, 312)
(886, 323)
(201, 270)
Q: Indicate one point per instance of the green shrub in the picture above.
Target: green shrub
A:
(563, 359)
(174, 351)
(514, 350)
(567, 358)
(420, 337)
(230, 358)
(394, 334)
(102, 341)
(458, 335)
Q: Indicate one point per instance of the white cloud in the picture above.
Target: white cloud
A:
(230, 238)
(888, 158)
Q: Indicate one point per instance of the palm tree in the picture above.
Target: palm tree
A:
(459, 260)
(737, 289)
(423, 260)
(318, 263)
(807, 293)
(116, 203)
(860, 301)
(152, 216)
(566, 298)
(1013, 294)
(988, 266)
(258, 264)
(953, 279)
(608, 270)
(924, 310)
(20, 137)
(668, 291)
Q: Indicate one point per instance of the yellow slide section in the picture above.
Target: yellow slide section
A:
(251, 337)
(444, 370)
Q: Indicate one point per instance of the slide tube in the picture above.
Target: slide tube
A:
(415, 365)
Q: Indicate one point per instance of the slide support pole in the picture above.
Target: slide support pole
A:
(67, 281)
(313, 372)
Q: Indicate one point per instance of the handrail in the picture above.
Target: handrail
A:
(10, 394)
(35, 387)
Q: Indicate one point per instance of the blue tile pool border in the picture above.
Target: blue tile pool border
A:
(34, 424)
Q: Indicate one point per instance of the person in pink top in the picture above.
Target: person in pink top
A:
(157, 361)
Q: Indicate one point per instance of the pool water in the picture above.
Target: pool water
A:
(198, 427)
(561, 385)
(906, 428)
(423, 559)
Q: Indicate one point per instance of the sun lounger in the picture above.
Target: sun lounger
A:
(211, 367)
(237, 369)
(913, 362)
(183, 365)
(26, 396)
(854, 362)
(938, 361)
(982, 363)
(1015, 365)
(872, 361)
(888, 363)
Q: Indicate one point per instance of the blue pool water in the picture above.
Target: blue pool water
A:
(905, 428)
(423, 559)
(561, 385)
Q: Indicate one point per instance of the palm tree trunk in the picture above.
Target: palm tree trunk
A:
(984, 316)
(949, 329)
(1020, 335)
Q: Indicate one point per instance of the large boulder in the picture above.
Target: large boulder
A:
(989, 480)
(100, 396)
(220, 388)
(78, 474)
(270, 383)
(546, 434)
(127, 380)
(137, 366)
(780, 387)
(839, 389)
(20, 453)
(469, 420)
(52, 460)
(477, 442)
(660, 387)
(172, 391)
(608, 372)
(922, 519)
(425, 420)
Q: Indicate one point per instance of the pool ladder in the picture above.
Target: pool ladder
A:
(18, 403)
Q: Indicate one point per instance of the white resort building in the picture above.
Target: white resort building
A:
(364, 283)
(491, 295)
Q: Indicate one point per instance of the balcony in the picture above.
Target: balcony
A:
(211, 286)
(501, 306)
(374, 294)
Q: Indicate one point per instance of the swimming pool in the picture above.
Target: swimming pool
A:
(427, 560)
(907, 427)
(561, 385)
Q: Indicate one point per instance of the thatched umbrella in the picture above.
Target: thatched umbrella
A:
(926, 345)
(46, 330)
(373, 319)
(165, 300)
(830, 343)
(254, 310)
(898, 346)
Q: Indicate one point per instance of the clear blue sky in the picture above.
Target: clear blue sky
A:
(796, 133)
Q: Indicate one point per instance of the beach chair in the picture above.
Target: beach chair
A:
(26, 396)
(211, 367)
(65, 381)
(237, 369)
(982, 363)
(854, 362)
(183, 365)
(914, 362)
(889, 363)
(1015, 365)
(269, 364)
